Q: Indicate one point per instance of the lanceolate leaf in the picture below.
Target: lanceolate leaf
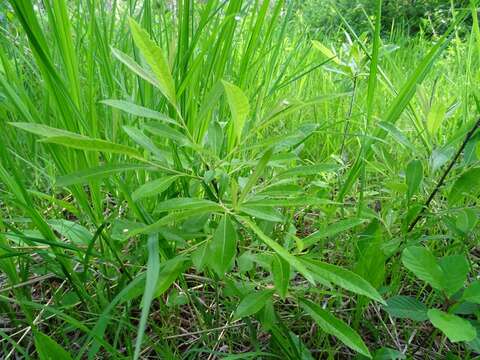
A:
(223, 247)
(138, 110)
(344, 278)
(153, 269)
(414, 176)
(472, 292)
(239, 107)
(281, 275)
(97, 173)
(454, 327)
(336, 327)
(153, 187)
(281, 251)
(252, 303)
(156, 59)
(48, 349)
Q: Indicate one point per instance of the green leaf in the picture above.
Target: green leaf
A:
(74, 232)
(73, 140)
(336, 327)
(308, 170)
(346, 279)
(472, 292)
(138, 110)
(223, 247)
(281, 275)
(187, 204)
(136, 68)
(414, 177)
(424, 265)
(156, 59)
(262, 212)
(48, 349)
(144, 141)
(280, 250)
(455, 269)
(153, 269)
(169, 272)
(397, 135)
(96, 173)
(326, 51)
(406, 307)
(165, 131)
(239, 107)
(467, 183)
(89, 144)
(153, 187)
(252, 303)
(252, 180)
(435, 117)
(331, 230)
(454, 327)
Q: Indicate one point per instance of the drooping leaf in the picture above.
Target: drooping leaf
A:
(454, 327)
(48, 349)
(223, 247)
(252, 303)
(424, 265)
(406, 307)
(281, 275)
(336, 327)
(262, 212)
(74, 232)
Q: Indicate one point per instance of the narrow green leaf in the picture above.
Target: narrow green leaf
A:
(262, 212)
(336, 327)
(414, 177)
(308, 170)
(259, 170)
(153, 269)
(331, 230)
(96, 173)
(153, 188)
(156, 59)
(223, 247)
(454, 327)
(281, 251)
(252, 303)
(48, 349)
(346, 279)
(281, 275)
(436, 116)
(138, 110)
(89, 144)
(239, 107)
(187, 204)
